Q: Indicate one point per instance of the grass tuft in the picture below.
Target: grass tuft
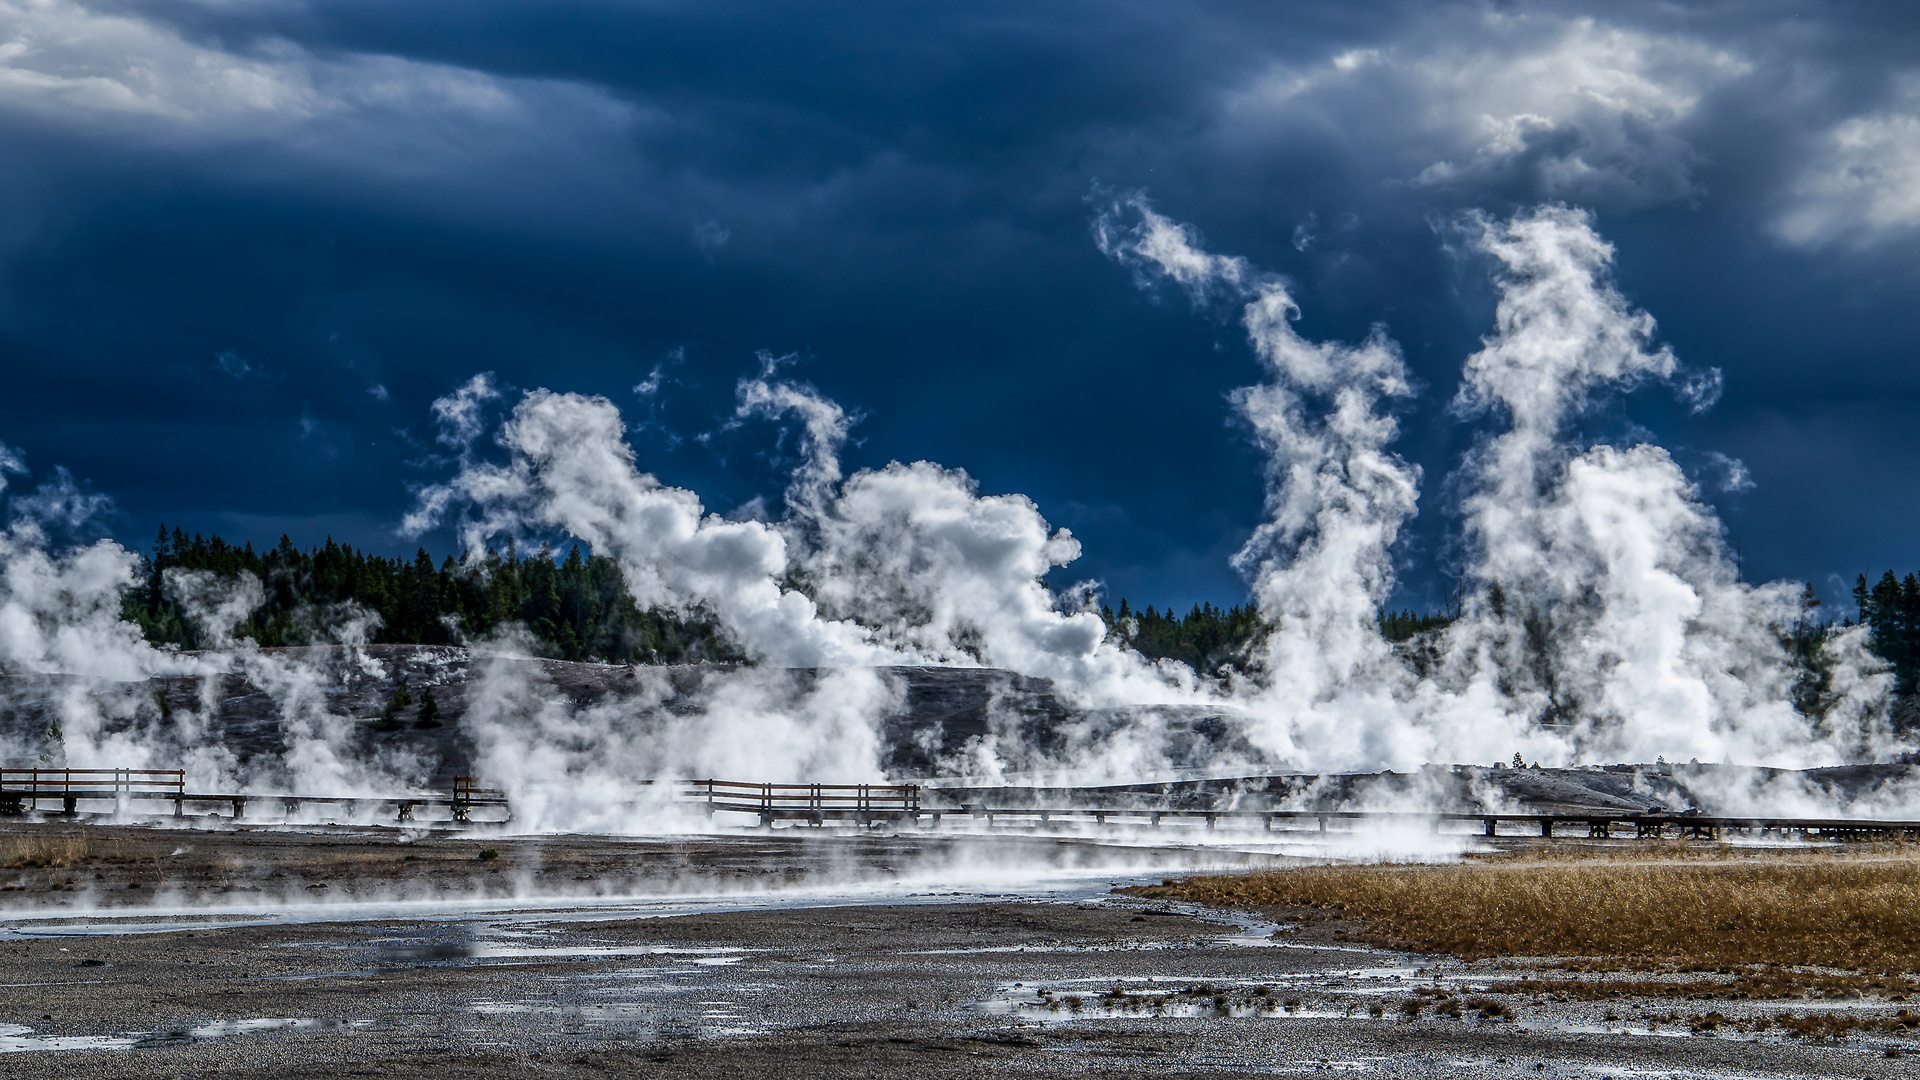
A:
(45, 851)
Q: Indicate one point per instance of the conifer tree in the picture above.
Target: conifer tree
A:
(428, 715)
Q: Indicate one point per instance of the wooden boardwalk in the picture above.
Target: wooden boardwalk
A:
(68, 791)
(22, 791)
(869, 804)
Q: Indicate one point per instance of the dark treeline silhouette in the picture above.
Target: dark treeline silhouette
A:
(1209, 639)
(1397, 626)
(576, 607)
(1891, 612)
(1206, 639)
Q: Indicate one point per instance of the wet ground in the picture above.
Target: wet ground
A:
(790, 954)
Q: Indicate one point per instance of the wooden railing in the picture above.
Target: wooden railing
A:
(804, 800)
(467, 794)
(22, 789)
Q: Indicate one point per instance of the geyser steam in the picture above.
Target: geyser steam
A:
(1601, 620)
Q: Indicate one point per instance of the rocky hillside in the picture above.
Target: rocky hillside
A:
(938, 713)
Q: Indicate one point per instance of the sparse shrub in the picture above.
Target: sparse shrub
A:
(488, 854)
(1490, 1009)
(390, 715)
(1708, 1023)
(429, 714)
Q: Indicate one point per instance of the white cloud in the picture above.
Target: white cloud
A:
(1539, 108)
(1589, 109)
(710, 236)
(63, 58)
(1862, 185)
(232, 363)
(458, 415)
(131, 80)
(11, 461)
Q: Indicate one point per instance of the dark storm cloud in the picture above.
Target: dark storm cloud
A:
(243, 245)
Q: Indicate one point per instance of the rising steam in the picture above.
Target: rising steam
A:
(1601, 617)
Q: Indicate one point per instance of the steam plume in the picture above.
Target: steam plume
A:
(1605, 620)
(1602, 618)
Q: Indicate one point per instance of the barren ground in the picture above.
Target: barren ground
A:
(230, 960)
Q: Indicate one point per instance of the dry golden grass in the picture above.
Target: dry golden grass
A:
(44, 851)
(1859, 914)
(58, 850)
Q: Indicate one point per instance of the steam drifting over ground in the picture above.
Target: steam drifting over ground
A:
(1601, 618)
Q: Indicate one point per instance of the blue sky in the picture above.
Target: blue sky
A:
(243, 245)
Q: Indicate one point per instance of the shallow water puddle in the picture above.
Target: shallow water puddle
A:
(15, 1038)
(494, 943)
(665, 1019)
(222, 1029)
(718, 956)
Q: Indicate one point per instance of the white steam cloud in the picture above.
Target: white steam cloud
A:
(1604, 619)
(1321, 564)
(907, 564)
(1601, 618)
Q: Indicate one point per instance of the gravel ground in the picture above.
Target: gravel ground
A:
(779, 981)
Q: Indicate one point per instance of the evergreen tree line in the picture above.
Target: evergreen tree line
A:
(1891, 612)
(1398, 626)
(1209, 639)
(1206, 639)
(576, 607)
